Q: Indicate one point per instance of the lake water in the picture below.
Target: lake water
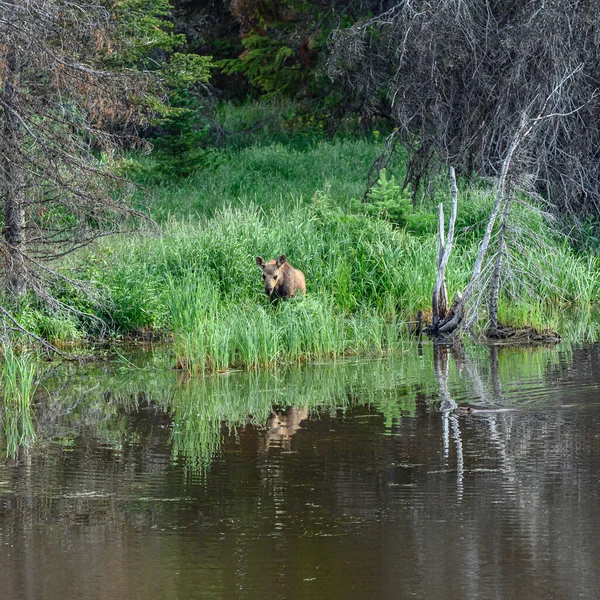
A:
(354, 480)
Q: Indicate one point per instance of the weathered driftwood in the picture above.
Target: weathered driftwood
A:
(455, 315)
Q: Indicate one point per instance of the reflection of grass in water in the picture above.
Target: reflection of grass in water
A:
(99, 401)
(18, 373)
(203, 409)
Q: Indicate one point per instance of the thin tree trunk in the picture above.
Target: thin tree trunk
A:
(12, 178)
(439, 298)
(517, 138)
(454, 317)
(495, 282)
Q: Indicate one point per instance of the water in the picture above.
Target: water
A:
(357, 486)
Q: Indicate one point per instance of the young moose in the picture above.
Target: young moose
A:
(281, 279)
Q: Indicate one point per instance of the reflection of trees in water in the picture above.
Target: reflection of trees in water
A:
(112, 406)
(125, 409)
(463, 499)
(519, 446)
(485, 392)
(447, 406)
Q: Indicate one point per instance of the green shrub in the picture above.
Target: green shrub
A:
(387, 200)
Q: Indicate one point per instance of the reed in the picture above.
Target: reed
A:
(18, 388)
(213, 335)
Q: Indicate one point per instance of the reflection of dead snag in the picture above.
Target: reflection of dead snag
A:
(440, 368)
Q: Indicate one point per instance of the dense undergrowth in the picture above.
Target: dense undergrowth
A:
(285, 188)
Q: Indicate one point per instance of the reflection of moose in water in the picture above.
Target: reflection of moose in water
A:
(282, 425)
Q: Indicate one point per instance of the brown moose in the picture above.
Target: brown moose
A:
(281, 279)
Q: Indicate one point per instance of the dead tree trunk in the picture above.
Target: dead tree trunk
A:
(439, 298)
(12, 184)
(495, 282)
(456, 313)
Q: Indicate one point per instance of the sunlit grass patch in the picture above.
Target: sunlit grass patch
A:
(212, 335)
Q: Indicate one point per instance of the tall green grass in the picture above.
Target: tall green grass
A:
(18, 375)
(365, 280)
(364, 277)
(194, 278)
(211, 334)
(221, 317)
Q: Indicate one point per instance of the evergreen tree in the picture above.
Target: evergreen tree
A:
(179, 148)
(76, 79)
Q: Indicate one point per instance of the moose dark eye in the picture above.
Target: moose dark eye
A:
(264, 276)
(275, 277)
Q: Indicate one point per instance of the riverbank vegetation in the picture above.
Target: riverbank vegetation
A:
(18, 373)
(336, 183)
(191, 277)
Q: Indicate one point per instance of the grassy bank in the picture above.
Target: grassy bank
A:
(366, 278)
(368, 273)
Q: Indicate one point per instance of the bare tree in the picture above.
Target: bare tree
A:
(504, 89)
(456, 76)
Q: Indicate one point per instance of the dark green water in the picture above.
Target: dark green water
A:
(342, 481)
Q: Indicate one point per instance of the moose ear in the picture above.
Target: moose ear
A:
(260, 261)
(281, 260)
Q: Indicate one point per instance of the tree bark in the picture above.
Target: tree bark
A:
(439, 299)
(455, 315)
(495, 282)
(12, 179)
